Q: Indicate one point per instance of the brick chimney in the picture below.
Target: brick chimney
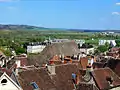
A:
(51, 69)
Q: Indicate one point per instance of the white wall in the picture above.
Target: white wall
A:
(83, 50)
(102, 42)
(35, 49)
(9, 85)
(90, 50)
(87, 50)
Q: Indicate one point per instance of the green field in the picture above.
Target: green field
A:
(16, 38)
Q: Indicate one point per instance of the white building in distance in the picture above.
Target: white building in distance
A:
(80, 42)
(102, 42)
(35, 48)
(87, 49)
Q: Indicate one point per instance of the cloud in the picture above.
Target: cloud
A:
(118, 3)
(115, 13)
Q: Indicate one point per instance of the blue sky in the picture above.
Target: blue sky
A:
(79, 14)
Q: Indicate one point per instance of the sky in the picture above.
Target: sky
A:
(72, 14)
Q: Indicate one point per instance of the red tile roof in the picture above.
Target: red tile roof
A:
(8, 72)
(39, 76)
(63, 77)
(117, 69)
(115, 49)
(100, 75)
(85, 86)
(114, 64)
(84, 62)
(61, 81)
(98, 65)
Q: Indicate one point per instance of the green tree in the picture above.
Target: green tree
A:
(118, 43)
(19, 50)
(7, 52)
(96, 52)
(102, 48)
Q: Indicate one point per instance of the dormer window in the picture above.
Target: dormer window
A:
(4, 82)
(35, 86)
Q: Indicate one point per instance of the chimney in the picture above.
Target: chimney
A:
(35, 86)
(0, 63)
(87, 77)
(51, 69)
(78, 56)
(74, 56)
(16, 71)
(89, 68)
(62, 57)
(18, 63)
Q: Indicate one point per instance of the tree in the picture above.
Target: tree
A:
(118, 43)
(96, 52)
(102, 48)
(7, 52)
(107, 44)
(19, 50)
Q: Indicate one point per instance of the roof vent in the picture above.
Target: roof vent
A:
(4, 82)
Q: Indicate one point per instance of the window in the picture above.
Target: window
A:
(3, 82)
(35, 86)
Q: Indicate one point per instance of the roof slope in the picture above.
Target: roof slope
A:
(39, 76)
(62, 80)
(114, 64)
(66, 48)
(85, 86)
(100, 77)
(63, 77)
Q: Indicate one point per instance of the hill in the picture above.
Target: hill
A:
(29, 27)
(67, 48)
(20, 27)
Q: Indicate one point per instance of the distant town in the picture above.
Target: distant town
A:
(58, 59)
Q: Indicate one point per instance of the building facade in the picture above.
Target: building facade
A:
(35, 48)
(103, 42)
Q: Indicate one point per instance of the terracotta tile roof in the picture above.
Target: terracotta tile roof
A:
(85, 86)
(8, 72)
(115, 49)
(117, 69)
(39, 76)
(10, 63)
(84, 62)
(114, 64)
(98, 65)
(62, 80)
(100, 77)
(67, 59)
(63, 77)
